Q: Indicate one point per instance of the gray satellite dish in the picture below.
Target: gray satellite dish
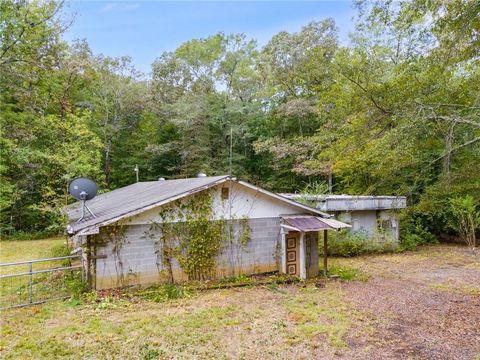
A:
(83, 189)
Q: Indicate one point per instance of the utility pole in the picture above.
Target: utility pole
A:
(231, 149)
(136, 171)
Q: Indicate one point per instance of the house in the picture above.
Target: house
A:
(195, 228)
(375, 216)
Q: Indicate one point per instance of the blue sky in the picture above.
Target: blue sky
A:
(145, 29)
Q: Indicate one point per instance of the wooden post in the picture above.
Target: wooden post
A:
(325, 251)
(302, 259)
(283, 251)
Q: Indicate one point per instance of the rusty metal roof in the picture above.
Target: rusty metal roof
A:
(314, 223)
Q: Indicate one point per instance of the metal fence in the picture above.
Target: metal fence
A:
(24, 283)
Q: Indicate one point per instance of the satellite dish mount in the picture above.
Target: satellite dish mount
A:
(83, 189)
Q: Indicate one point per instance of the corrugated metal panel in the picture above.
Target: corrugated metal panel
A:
(335, 224)
(133, 197)
(313, 223)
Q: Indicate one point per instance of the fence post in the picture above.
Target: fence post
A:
(82, 262)
(30, 283)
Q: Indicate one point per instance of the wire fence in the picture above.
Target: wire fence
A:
(24, 283)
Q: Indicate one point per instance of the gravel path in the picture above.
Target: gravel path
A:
(419, 307)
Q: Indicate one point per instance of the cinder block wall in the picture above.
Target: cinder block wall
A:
(136, 261)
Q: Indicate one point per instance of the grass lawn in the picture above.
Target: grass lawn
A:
(412, 305)
(19, 250)
(15, 290)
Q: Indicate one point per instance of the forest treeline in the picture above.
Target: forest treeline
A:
(394, 112)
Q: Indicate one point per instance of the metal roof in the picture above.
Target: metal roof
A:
(139, 197)
(136, 198)
(314, 223)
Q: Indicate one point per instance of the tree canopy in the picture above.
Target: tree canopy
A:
(396, 111)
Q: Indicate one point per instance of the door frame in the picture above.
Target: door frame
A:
(292, 249)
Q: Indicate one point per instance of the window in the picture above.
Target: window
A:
(225, 193)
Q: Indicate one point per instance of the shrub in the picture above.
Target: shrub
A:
(346, 243)
(465, 219)
(25, 235)
(416, 235)
(410, 242)
(74, 284)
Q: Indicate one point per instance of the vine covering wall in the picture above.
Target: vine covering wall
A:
(189, 232)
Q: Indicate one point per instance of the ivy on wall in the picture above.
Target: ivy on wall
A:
(189, 232)
(200, 242)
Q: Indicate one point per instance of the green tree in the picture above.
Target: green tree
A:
(466, 219)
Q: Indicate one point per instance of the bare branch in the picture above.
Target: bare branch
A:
(447, 153)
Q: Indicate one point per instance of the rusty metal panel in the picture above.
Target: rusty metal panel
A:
(306, 223)
(314, 223)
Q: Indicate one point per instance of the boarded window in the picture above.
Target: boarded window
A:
(386, 224)
(225, 193)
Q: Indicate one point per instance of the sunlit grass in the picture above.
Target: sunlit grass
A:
(15, 290)
(19, 250)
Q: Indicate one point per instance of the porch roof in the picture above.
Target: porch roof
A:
(307, 223)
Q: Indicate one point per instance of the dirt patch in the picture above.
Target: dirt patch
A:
(410, 317)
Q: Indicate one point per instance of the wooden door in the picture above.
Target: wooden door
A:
(292, 253)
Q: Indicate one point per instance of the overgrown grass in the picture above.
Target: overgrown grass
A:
(347, 273)
(347, 244)
(160, 293)
(326, 315)
(228, 323)
(22, 235)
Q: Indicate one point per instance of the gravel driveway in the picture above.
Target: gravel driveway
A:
(421, 305)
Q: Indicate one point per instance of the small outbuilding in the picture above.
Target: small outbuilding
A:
(371, 215)
(195, 229)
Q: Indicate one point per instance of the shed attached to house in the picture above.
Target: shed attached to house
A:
(375, 216)
(152, 232)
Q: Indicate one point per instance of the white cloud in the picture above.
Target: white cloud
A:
(130, 6)
(109, 7)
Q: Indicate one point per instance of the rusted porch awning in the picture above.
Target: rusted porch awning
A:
(306, 223)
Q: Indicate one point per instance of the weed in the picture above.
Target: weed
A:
(164, 292)
(273, 286)
(347, 273)
(415, 235)
(240, 279)
(316, 314)
(148, 353)
(279, 324)
(349, 244)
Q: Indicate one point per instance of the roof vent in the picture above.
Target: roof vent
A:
(161, 179)
(201, 175)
